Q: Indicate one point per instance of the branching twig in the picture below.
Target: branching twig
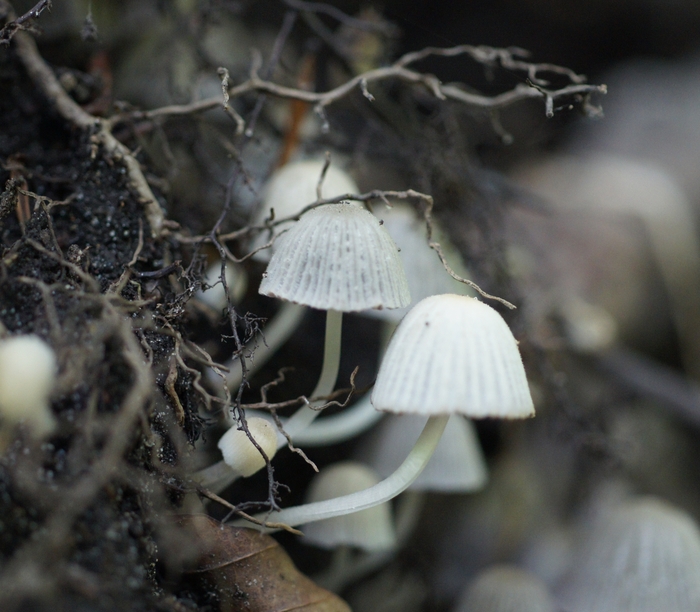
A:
(488, 56)
(234, 510)
(24, 22)
(427, 214)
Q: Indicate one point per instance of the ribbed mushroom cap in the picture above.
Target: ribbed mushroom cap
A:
(239, 452)
(505, 588)
(643, 556)
(371, 529)
(457, 465)
(453, 354)
(337, 257)
(293, 187)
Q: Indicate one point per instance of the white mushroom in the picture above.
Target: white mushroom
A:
(287, 192)
(506, 588)
(241, 458)
(453, 354)
(27, 374)
(370, 530)
(501, 384)
(338, 258)
(643, 555)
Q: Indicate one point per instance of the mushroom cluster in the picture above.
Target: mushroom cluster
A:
(452, 356)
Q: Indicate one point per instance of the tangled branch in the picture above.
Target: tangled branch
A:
(511, 59)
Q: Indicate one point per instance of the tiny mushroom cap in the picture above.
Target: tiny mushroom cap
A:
(457, 465)
(453, 354)
(643, 555)
(293, 187)
(371, 529)
(337, 257)
(506, 588)
(240, 454)
(27, 374)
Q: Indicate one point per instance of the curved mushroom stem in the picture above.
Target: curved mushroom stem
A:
(339, 427)
(350, 422)
(303, 417)
(382, 492)
(345, 569)
(216, 477)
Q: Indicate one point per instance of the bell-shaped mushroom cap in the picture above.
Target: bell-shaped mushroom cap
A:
(457, 465)
(371, 529)
(293, 187)
(643, 555)
(425, 273)
(240, 454)
(505, 588)
(337, 257)
(27, 374)
(453, 354)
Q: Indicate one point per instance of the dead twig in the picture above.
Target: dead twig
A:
(25, 22)
(510, 59)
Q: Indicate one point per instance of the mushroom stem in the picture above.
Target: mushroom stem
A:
(216, 477)
(350, 422)
(303, 417)
(339, 427)
(331, 354)
(345, 569)
(382, 492)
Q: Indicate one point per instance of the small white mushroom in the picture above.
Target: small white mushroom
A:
(338, 258)
(453, 354)
(506, 588)
(370, 530)
(241, 458)
(27, 374)
(643, 555)
(288, 191)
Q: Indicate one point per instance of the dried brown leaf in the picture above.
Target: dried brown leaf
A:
(251, 572)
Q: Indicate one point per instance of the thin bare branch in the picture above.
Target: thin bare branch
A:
(488, 56)
(24, 22)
